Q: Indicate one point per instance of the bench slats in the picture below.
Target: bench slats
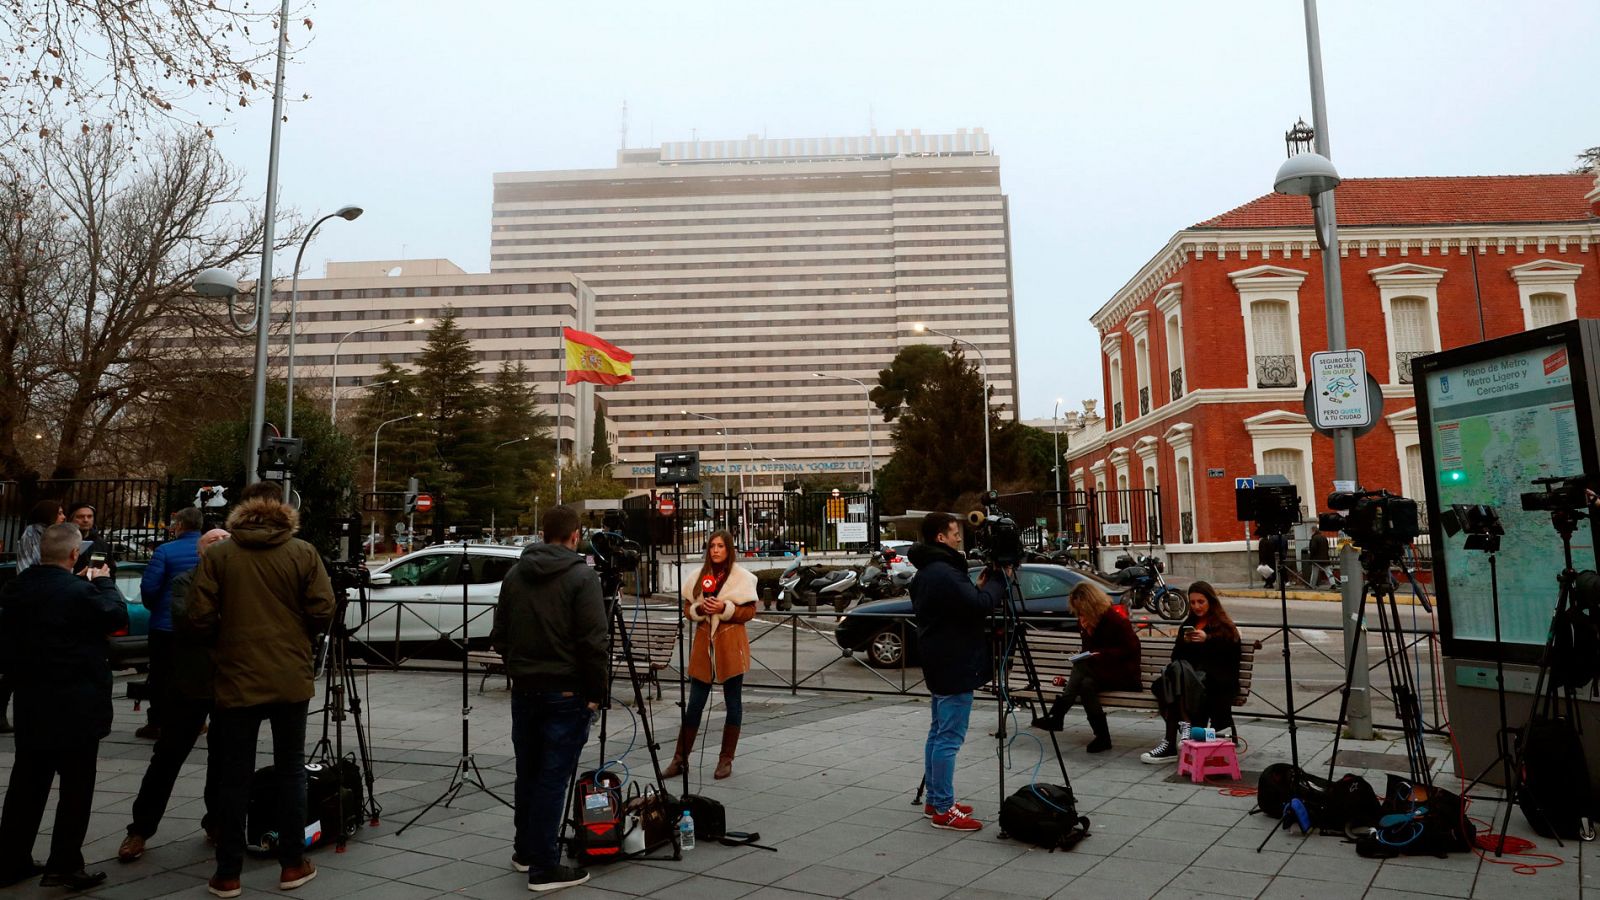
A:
(1050, 649)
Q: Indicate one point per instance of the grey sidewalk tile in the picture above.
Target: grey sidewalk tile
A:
(893, 888)
(1181, 891)
(1240, 859)
(772, 893)
(879, 862)
(332, 883)
(942, 870)
(393, 890)
(397, 866)
(1067, 864)
(1099, 889)
(768, 868)
(703, 887)
(1190, 832)
(159, 885)
(1022, 882)
(1349, 869)
(454, 875)
(1287, 888)
(1219, 882)
(1151, 849)
(641, 880)
(829, 881)
(1207, 815)
(1151, 875)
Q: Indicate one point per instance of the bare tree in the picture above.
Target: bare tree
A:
(120, 335)
(1588, 161)
(109, 64)
(31, 269)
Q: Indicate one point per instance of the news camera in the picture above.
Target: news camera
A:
(1271, 502)
(1373, 519)
(1480, 522)
(614, 554)
(997, 539)
(347, 565)
(1562, 493)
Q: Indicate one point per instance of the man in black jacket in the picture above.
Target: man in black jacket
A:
(53, 628)
(550, 628)
(953, 639)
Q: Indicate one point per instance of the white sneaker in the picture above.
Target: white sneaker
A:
(1164, 752)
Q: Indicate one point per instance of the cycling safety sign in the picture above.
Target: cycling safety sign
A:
(1339, 390)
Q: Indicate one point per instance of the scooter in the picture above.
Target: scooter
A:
(1147, 589)
(879, 581)
(802, 583)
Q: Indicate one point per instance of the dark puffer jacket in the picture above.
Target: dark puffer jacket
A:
(952, 620)
(261, 596)
(550, 624)
(53, 628)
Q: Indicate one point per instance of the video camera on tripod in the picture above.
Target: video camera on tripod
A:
(996, 537)
(1380, 523)
(1561, 493)
(614, 553)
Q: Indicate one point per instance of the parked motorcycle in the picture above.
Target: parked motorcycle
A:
(1147, 589)
(880, 580)
(804, 584)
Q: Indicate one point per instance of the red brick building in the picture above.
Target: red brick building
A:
(1204, 351)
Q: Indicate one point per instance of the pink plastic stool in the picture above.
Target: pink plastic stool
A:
(1202, 758)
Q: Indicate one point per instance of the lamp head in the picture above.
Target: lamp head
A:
(216, 283)
(349, 213)
(1306, 175)
(919, 328)
(418, 321)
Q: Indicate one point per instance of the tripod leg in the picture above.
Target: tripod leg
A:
(1349, 674)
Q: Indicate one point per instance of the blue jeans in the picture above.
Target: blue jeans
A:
(548, 730)
(232, 743)
(945, 736)
(732, 701)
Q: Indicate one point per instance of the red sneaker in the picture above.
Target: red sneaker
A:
(928, 810)
(954, 819)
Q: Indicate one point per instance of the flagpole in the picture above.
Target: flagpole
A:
(561, 400)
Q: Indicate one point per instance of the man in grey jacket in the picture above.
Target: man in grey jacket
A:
(550, 628)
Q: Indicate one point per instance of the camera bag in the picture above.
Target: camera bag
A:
(1418, 820)
(323, 805)
(1338, 806)
(710, 819)
(1045, 815)
(1555, 795)
(597, 817)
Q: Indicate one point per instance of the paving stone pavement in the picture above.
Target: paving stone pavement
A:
(827, 780)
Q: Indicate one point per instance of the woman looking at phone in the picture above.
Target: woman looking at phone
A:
(1209, 642)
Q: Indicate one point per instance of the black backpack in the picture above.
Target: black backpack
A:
(1418, 820)
(1555, 797)
(1045, 815)
(1575, 636)
(1340, 806)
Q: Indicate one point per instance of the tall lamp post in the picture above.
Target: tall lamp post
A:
(1311, 174)
(349, 214)
(379, 430)
(919, 328)
(872, 483)
(726, 458)
(494, 531)
(1055, 419)
(333, 413)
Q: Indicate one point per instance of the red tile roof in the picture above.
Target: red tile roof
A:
(1473, 199)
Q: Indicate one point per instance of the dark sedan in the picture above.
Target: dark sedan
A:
(884, 629)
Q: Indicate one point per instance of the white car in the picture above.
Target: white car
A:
(416, 601)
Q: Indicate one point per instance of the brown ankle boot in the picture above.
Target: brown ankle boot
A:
(680, 756)
(730, 743)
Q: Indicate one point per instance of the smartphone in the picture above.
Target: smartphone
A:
(98, 558)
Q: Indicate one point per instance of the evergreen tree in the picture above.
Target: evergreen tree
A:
(453, 403)
(602, 446)
(515, 417)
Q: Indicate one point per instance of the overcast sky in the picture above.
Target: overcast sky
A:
(1116, 124)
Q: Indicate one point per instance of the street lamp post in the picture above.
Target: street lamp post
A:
(919, 328)
(726, 459)
(349, 214)
(1313, 175)
(379, 430)
(872, 483)
(367, 387)
(333, 413)
(1055, 419)
(494, 531)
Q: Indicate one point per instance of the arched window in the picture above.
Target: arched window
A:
(1116, 392)
(1274, 344)
(1175, 357)
(1414, 477)
(1186, 533)
(1141, 364)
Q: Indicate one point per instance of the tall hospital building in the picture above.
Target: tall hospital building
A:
(737, 270)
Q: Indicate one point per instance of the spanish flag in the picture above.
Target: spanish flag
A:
(591, 359)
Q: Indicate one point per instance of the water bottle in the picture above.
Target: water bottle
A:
(686, 831)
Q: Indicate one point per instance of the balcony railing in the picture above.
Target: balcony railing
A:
(1186, 526)
(1144, 401)
(1177, 382)
(1402, 361)
(1275, 371)
(1116, 414)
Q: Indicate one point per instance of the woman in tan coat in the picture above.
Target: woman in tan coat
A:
(718, 599)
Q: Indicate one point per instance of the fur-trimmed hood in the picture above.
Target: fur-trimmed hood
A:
(263, 523)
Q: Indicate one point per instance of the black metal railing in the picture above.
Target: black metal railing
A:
(1402, 361)
(1116, 414)
(1275, 371)
(1144, 401)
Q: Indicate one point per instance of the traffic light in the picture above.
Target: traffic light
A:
(411, 496)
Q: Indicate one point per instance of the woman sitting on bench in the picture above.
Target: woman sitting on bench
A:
(1109, 662)
(1209, 642)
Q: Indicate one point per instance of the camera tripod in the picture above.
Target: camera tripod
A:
(466, 771)
(1545, 689)
(342, 697)
(613, 601)
(1011, 637)
(1379, 585)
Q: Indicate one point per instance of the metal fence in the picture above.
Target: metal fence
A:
(130, 513)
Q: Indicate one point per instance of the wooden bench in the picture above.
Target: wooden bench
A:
(1050, 650)
(652, 635)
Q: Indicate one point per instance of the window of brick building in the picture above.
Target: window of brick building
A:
(1413, 332)
(1275, 362)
